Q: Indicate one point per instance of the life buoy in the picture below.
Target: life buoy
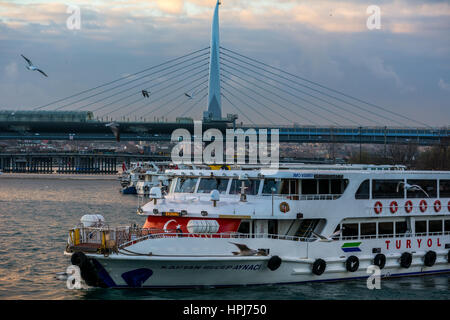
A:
(352, 264)
(406, 260)
(274, 263)
(378, 207)
(379, 260)
(423, 206)
(408, 206)
(430, 258)
(393, 206)
(284, 207)
(448, 206)
(437, 206)
(319, 267)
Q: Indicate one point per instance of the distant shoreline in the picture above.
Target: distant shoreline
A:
(58, 176)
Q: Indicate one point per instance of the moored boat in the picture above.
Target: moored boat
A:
(299, 224)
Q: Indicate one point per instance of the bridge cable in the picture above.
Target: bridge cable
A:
(119, 79)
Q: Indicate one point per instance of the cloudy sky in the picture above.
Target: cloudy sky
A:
(404, 66)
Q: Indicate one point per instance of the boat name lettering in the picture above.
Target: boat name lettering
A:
(223, 267)
(399, 243)
(303, 175)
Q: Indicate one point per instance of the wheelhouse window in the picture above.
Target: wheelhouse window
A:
(244, 227)
(186, 185)
(421, 226)
(385, 228)
(269, 184)
(309, 186)
(422, 188)
(387, 189)
(363, 190)
(444, 188)
(289, 186)
(447, 225)
(252, 186)
(206, 185)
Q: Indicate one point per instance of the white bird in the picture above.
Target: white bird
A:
(32, 67)
(246, 251)
(413, 187)
(115, 129)
(327, 239)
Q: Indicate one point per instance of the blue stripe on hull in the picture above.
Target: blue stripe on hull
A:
(356, 249)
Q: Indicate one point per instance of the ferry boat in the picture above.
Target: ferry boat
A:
(300, 224)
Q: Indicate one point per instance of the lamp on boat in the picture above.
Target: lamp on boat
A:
(204, 213)
(215, 196)
(155, 211)
(183, 212)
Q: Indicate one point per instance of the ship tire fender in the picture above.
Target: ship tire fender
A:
(352, 263)
(430, 258)
(379, 260)
(274, 263)
(319, 267)
(78, 259)
(405, 260)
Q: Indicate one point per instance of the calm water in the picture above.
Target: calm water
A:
(35, 215)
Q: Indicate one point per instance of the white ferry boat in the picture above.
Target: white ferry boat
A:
(253, 227)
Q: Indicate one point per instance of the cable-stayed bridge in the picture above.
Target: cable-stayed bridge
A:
(207, 84)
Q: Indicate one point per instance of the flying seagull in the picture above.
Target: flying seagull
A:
(145, 94)
(32, 67)
(325, 239)
(115, 129)
(246, 251)
(413, 187)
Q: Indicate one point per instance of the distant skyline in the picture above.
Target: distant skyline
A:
(404, 66)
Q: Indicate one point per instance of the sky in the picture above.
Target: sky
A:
(403, 66)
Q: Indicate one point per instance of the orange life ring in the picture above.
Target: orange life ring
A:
(284, 207)
(378, 207)
(437, 206)
(408, 206)
(423, 205)
(393, 206)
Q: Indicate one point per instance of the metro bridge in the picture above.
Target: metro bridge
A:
(253, 94)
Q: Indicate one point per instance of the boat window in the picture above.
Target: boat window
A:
(251, 185)
(447, 225)
(324, 186)
(338, 185)
(273, 227)
(422, 188)
(368, 229)
(186, 185)
(309, 186)
(269, 184)
(387, 189)
(363, 190)
(206, 185)
(244, 227)
(435, 226)
(444, 188)
(349, 229)
(289, 186)
(385, 228)
(421, 226)
(400, 227)
(305, 227)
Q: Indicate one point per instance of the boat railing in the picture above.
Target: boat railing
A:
(97, 239)
(303, 196)
(398, 235)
